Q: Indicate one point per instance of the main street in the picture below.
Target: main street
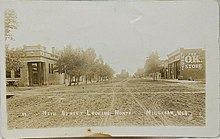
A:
(127, 102)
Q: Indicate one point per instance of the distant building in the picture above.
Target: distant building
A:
(187, 64)
(156, 75)
(38, 67)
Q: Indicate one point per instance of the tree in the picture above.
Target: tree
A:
(13, 58)
(89, 70)
(124, 74)
(139, 73)
(99, 67)
(152, 65)
(11, 23)
(108, 71)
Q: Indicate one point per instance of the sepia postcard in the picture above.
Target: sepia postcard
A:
(109, 68)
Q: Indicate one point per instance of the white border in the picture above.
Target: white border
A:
(212, 103)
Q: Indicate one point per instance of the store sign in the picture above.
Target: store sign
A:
(191, 61)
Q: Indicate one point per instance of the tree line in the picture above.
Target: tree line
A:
(78, 63)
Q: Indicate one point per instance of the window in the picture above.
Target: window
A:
(8, 74)
(17, 73)
(52, 68)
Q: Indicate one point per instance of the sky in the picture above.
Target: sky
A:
(123, 33)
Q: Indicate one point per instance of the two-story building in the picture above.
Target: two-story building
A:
(38, 67)
(187, 64)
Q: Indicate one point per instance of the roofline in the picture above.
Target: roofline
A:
(179, 50)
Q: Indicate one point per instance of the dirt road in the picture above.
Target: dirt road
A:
(129, 102)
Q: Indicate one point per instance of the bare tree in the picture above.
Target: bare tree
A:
(13, 56)
(11, 23)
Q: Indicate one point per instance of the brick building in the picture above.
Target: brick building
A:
(38, 67)
(187, 64)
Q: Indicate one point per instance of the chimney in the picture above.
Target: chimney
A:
(53, 50)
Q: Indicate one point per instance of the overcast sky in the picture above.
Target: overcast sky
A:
(123, 33)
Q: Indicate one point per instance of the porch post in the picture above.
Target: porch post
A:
(30, 72)
(39, 73)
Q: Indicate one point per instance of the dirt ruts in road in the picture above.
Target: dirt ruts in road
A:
(142, 106)
(106, 121)
(131, 97)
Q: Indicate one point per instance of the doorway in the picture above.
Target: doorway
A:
(36, 72)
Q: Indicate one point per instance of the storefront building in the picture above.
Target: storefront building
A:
(38, 67)
(186, 64)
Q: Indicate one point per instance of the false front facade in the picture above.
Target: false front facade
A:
(187, 64)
